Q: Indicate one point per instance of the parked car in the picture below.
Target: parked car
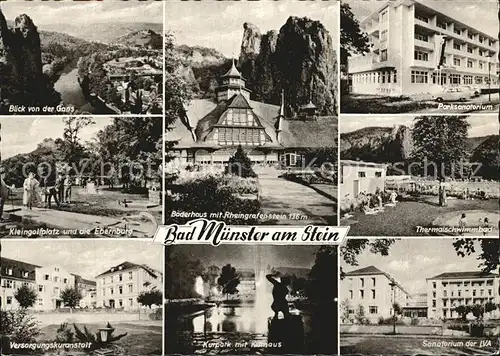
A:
(473, 88)
(453, 94)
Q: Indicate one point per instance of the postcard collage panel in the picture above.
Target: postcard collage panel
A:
(249, 177)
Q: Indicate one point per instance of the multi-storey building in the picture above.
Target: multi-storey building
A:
(448, 290)
(119, 286)
(375, 290)
(51, 281)
(88, 290)
(13, 275)
(407, 39)
(416, 306)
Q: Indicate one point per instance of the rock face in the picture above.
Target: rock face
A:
(21, 77)
(377, 144)
(298, 59)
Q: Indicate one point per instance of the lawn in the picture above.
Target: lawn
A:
(403, 219)
(140, 339)
(397, 345)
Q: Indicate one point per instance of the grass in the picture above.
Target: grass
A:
(403, 219)
(140, 339)
(371, 104)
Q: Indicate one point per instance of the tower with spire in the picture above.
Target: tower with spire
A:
(231, 83)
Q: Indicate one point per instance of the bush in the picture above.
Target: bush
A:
(19, 326)
(415, 321)
(240, 165)
(157, 315)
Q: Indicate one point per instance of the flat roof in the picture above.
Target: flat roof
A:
(362, 164)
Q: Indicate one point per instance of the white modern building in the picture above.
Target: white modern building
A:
(448, 290)
(410, 40)
(358, 177)
(119, 286)
(375, 290)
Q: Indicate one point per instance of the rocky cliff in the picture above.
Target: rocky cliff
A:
(298, 59)
(377, 144)
(22, 81)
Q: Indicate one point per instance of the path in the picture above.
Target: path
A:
(281, 196)
(64, 220)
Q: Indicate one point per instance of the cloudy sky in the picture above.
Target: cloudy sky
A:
(87, 258)
(78, 13)
(242, 256)
(411, 261)
(219, 24)
(23, 134)
(480, 14)
(481, 125)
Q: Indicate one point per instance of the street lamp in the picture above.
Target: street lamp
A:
(105, 333)
(393, 285)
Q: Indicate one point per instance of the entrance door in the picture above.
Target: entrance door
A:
(58, 304)
(111, 303)
(355, 188)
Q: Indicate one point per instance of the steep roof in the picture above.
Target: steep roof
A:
(238, 101)
(125, 266)
(18, 268)
(233, 72)
(462, 275)
(204, 113)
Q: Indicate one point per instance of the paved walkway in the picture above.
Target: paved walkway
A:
(67, 222)
(281, 196)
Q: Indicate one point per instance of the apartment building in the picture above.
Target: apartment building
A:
(119, 286)
(410, 41)
(51, 281)
(449, 290)
(13, 275)
(373, 289)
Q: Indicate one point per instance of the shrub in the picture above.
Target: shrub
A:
(240, 165)
(95, 339)
(64, 334)
(19, 325)
(415, 321)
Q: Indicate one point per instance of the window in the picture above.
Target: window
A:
(120, 277)
(470, 50)
(454, 78)
(383, 36)
(362, 282)
(470, 36)
(351, 294)
(445, 293)
(434, 285)
(383, 16)
(361, 293)
(40, 288)
(373, 294)
(361, 174)
(422, 18)
(56, 279)
(473, 292)
(421, 56)
(378, 175)
(434, 294)
(103, 292)
(442, 25)
(434, 303)
(25, 274)
(9, 300)
(46, 277)
(56, 269)
(422, 37)
(394, 77)
(65, 281)
(383, 55)
(457, 46)
(419, 77)
(373, 281)
(481, 65)
(373, 309)
(111, 290)
(7, 283)
(130, 288)
(120, 289)
(489, 292)
(120, 303)
(456, 62)
(470, 64)
(458, 32)
(131, 302)
(111, 279)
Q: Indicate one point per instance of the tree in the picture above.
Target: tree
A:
(240, 165)
(440, 146)
(352, 39)
(323, 276)
(354, 247)
(150, 297)
(360, 314)
(71, 297)
(487, 155)
(70, 146)
(345, 310)
(25, 296)
(489, 251)
(180, 274)
(462, 310)
(228, 280)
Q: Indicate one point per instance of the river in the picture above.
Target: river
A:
(71, 92)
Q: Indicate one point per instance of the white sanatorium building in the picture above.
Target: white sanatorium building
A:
(449, 290)
(376, 291)
(406, 46)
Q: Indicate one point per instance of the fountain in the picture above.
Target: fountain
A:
(199, 286)
(263, 291)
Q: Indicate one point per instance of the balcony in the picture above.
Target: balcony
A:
(424, 45)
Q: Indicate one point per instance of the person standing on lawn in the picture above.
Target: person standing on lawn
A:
(30, 185)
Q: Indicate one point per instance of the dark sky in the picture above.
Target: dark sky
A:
(243, 256)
